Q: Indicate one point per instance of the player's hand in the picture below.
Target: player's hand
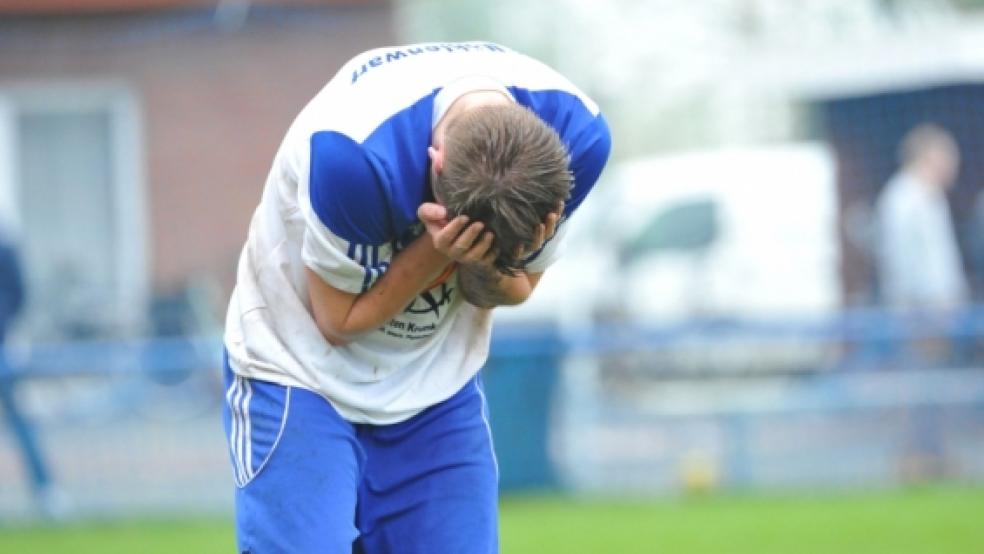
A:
(456, 239)
(545, 232)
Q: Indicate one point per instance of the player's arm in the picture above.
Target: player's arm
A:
(345, 210)
(341, 316)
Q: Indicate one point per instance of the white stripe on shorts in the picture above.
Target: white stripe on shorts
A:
(488, 428)
(247, 433)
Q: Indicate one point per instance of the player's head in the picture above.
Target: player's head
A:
(932, 151)
(503, 166)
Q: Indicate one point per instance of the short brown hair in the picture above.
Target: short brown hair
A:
(507, 168)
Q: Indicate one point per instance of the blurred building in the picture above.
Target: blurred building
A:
(676, 77)
(135, 137)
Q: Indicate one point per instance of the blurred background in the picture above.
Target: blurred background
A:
(775, 291)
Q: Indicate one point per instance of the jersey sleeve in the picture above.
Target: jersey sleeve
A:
(345, 232)
(589, 154)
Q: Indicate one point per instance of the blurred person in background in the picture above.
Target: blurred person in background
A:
(11, 302)
(918, 258)
(920, 271)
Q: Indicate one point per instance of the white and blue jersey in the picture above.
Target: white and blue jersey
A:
(341, 199)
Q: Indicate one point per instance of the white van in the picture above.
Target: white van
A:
(743, 233)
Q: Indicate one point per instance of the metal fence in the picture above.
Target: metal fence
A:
(865, 399)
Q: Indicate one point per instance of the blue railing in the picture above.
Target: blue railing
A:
(865, 329)
(523, 371)
(858, 327)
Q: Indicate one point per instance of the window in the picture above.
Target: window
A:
(72, 199)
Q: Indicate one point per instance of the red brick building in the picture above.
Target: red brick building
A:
(135, 136)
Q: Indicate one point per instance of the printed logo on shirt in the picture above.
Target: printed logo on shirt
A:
(422, 317)
(402, 53)
(429, 302)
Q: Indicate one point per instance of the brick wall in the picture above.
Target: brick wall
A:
(214, 103)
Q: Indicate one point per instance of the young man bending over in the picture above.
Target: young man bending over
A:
(423, 186)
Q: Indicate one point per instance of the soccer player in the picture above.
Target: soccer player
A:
(423, 186)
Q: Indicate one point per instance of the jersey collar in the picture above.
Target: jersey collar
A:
(459, 87)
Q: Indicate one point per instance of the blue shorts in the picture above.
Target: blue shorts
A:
(309, 481)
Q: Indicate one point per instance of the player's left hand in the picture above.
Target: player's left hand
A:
(456, 239)
(545, 232)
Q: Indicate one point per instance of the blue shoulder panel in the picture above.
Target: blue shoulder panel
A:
(346, 189)
(586, 135)
(589, 154)
(369, 193)
(400, 144)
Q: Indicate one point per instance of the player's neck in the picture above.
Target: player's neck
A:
(466, 102)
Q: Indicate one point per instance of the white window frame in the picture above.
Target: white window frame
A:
(128, 175)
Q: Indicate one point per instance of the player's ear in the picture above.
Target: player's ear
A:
(436, 155)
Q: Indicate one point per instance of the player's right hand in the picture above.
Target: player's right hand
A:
(456, 239)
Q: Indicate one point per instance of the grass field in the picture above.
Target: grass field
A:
(933, 520)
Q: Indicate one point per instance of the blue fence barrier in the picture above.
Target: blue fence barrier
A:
(854, 328)
(526, 372)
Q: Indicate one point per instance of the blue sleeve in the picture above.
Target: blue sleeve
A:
(347, 190)
(347, 233)
(589, 153)
(584, 133)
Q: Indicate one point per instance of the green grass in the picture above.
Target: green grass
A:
(917, 521)
(122, 537)
(933, 520)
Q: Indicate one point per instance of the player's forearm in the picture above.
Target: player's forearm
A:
(410, 272)
(488, 288)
